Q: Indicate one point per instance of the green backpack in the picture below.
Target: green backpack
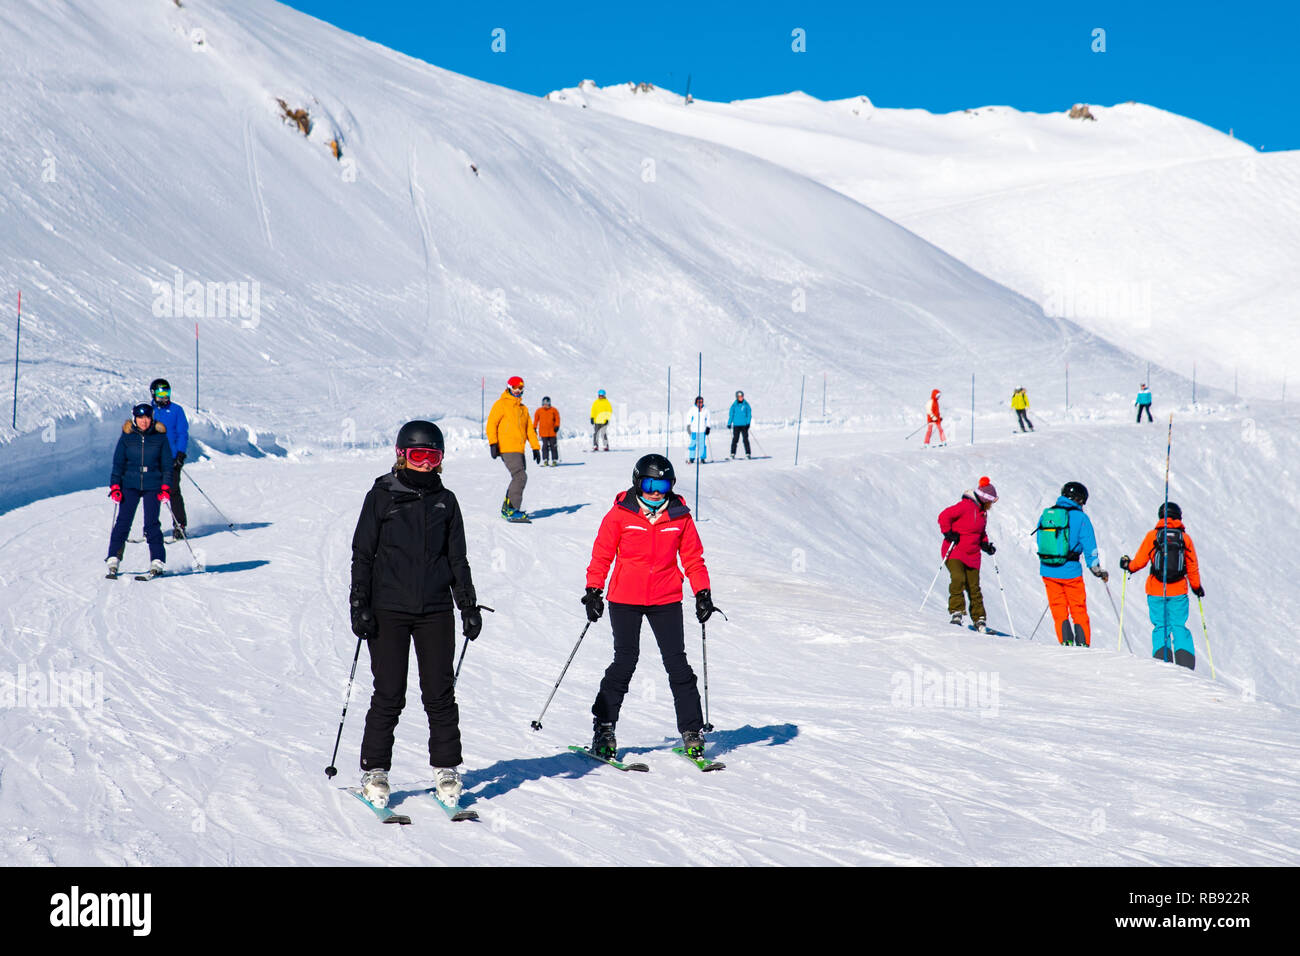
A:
(1054, 537)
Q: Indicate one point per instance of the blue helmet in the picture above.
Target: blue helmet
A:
(601, 393)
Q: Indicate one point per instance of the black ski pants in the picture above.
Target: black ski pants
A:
(434, 636)
(550, 449)
(1023, 416)
(1144, 408)
(177, 499)
(666, 622)
(131, 499)
(737, 433)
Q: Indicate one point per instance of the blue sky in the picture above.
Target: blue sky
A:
(1228, 65)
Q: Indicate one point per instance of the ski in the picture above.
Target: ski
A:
(149, 575)
(384, 813)
(111, 575)
(704, 763)
(987, 630)
(518, 519)
(455, 813)
(617, 765)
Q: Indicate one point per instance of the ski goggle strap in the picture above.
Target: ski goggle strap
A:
(420, 456)
(661, 485)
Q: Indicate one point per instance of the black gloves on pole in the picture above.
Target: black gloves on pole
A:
(363, 619)
(703, 605)
(595, 604)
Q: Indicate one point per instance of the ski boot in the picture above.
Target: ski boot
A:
(447, 786)
(956, 618)
(981, 626)
(1185, 659)
(111, 566)
(1080, 639)
(603, 742)
(374, 787)
(1067, 633)
(693, 743)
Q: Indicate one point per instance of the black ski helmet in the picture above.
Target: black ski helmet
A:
(1075, 491)
(653, 466)
(1172, 510)
(419, 434)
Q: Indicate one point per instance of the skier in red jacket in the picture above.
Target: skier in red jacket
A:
(933, 418)
(964, 538)
(646, 530)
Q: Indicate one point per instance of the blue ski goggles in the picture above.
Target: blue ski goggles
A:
(660, 485)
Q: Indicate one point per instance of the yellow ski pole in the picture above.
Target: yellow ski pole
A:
(1206, 632)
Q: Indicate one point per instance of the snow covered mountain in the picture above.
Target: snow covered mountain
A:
(1164, 236)
(416, 233)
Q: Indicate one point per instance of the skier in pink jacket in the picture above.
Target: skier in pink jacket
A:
(964, 537)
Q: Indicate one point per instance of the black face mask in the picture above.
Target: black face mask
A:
(419, 480)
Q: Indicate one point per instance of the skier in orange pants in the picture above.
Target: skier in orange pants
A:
(1065, 535)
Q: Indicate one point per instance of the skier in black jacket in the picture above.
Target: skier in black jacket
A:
(141, 469)
(408, 565)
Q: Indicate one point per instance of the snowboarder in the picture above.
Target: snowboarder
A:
(697, 426)
(1020, 402)
(933, 418)
(647, 583)
(601, 412)
(409, 565)
(172, 417)
(738, 418)
(1064, 536)
(546, 420)
(1172, 556)
(508, 428)
(142, 465)
(964, 537)
(1143, 402)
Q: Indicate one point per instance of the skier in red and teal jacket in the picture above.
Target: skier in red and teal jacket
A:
(644, 536)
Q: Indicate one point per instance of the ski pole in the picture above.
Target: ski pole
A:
(197, 563)
(461, 660)
(537, 724)
(1206, 632)
(936, 577)
(1117, 612)
(331, 770)
(1006, 607)
(229, 524)
(918, 428)
(1040, 622)
(1123, 593)
(704, 646)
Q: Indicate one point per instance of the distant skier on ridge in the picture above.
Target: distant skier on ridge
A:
(1143, 402)
(934, 419)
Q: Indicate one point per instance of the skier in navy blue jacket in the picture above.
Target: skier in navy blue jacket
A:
(172, 417)
(141, 471)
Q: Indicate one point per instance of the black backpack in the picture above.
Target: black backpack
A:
(1170, 541)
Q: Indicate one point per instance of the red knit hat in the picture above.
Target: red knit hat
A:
(986, 492)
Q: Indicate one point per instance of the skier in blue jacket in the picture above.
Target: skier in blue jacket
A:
(738, 418)
(1063, 574)
(172, 417)
(1143, 402)
(141, 471)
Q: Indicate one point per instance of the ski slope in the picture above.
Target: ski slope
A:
(843, 743)
(1166, 237)
(581, 251)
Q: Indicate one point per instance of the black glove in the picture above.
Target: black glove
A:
(537, 456)
(952, 537)
(495, 449)
(1199, 592)
(592, 420)
(595, 604)
(707, 429)
(987, 548)
(1102, 573)
(1123, 563)
(363, 619)
(180, 458)
(703, 605)
(471, 622)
